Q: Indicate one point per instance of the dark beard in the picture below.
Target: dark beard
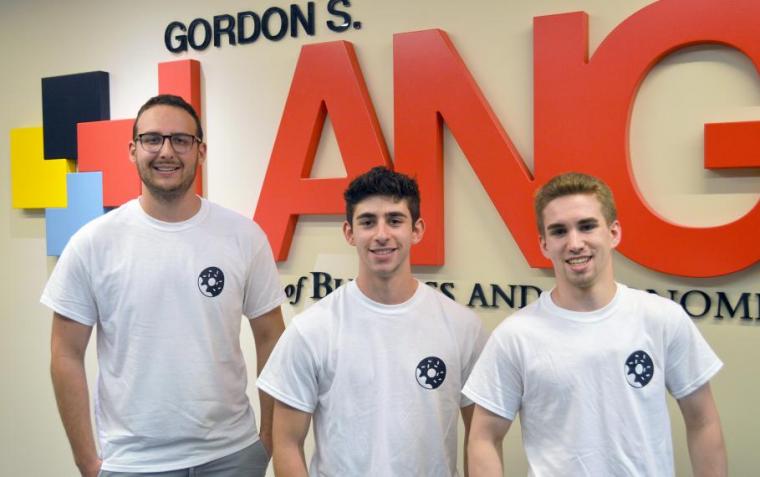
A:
(167, 195)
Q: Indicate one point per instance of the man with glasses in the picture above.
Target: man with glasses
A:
(166, 278)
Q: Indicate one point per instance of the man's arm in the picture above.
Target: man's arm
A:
(267, 329)
(67, 349)
(703, 433)
(467, 419)
(290, 431)
(484, 445)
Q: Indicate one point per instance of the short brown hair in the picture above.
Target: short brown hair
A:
(572, 183)
(169, 100)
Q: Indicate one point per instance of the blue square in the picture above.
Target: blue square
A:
(85, 202)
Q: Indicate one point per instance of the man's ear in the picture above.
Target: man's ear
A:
(616, 230)
(201, 153)
(418, 231)
(132, 148)
(348, 233)
(542, 245)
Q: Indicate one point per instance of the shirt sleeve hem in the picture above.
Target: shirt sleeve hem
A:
(67, 313)
(699, 382)
(487, 404)
(283, 398)
(262, 310)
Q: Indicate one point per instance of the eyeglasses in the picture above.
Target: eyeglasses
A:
(181, 142)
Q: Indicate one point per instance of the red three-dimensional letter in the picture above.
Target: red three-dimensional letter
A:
(582, 116)
(327, 80)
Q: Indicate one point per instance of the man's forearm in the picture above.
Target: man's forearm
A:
(267, 330)
(265, 426)
(70, 385)
(707, 450)
(289, 461)
(484, 458)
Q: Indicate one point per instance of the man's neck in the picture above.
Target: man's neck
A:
(584, 299)
(175, 210)
(387, 290)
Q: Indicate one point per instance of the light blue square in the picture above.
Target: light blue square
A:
(85, 202)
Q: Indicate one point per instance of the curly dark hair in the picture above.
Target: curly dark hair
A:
(381, 181)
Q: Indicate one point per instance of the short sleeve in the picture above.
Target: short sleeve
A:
(292, 371)
(263, 288)
(496, 380)
(469, 361)
(690, 361)
(68, 291)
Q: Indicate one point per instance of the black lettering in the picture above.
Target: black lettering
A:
(242, 38)
(308, 22)
(206, 32)
(180, 39)
(742, 302)
(321, 282)
(446, 288)
(266, 23)
(525, 293)
(345, 22)
(496, 291)
(478, 294)
(706, 303)
(224, 25)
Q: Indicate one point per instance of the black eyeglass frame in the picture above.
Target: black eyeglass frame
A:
(171, 137)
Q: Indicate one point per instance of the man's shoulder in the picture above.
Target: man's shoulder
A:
(234, 220)
(104, 226)
(521, 321)
(451, 309)
(651, 303)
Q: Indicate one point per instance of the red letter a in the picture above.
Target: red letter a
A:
(327, 80)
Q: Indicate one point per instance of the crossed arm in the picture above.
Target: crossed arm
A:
(67, 349)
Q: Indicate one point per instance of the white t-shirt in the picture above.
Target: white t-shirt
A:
(591, 387)
(383, 382)
(167, 299)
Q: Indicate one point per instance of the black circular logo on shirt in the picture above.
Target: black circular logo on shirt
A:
(211, 281)
(639, 369)
(431, 372)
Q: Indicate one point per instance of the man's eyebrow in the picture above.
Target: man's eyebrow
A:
(555, 226)
(589, 221)
(366, 215)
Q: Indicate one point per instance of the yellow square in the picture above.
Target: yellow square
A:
(36, 183)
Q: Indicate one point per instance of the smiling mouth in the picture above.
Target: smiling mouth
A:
(383, 251)
(166, 168)
(578, 260)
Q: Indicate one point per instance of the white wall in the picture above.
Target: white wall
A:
(244, 89)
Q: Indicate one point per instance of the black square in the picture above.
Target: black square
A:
(68, 100)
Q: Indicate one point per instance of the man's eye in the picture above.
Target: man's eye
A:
(181, 140)
(557, 232)
(151, 139)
